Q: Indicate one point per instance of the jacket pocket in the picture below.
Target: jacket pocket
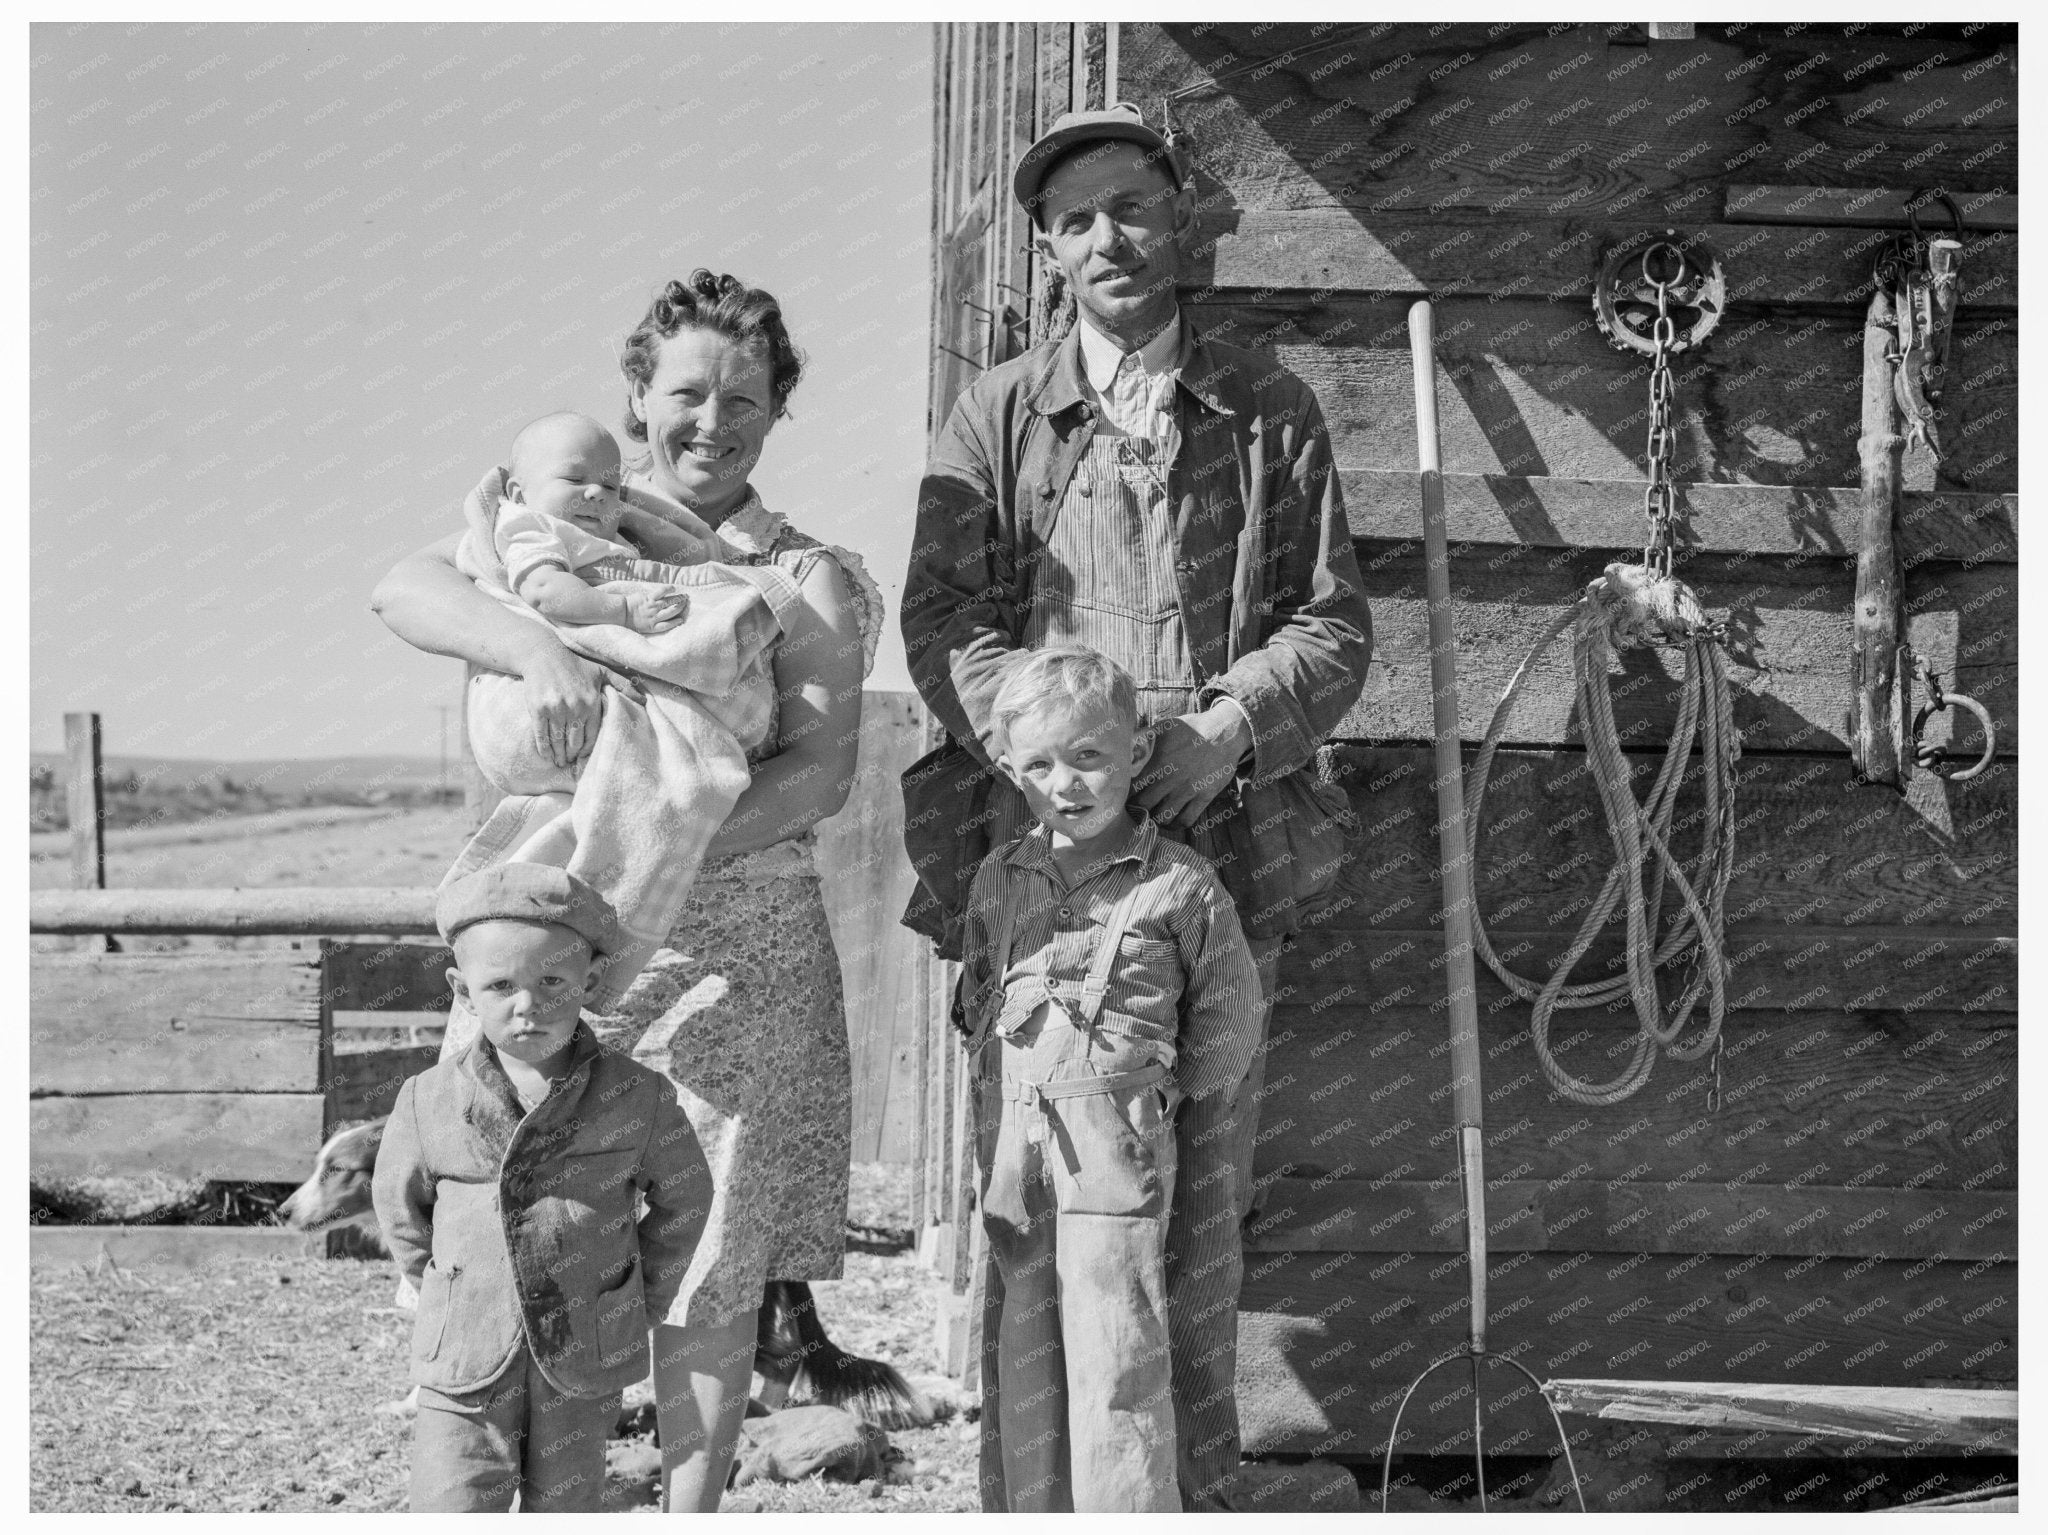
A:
(437, 1300)
(622, 1324)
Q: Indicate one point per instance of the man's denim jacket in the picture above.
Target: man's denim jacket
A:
(1268, 585)
(519, 1227)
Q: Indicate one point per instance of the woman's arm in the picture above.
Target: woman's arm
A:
(434, 607)
(818, 669)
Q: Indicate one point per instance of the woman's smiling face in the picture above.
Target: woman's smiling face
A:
(707, 407)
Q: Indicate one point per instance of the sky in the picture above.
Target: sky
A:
(294, 287)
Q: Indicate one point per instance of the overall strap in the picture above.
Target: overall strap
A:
(1096, 987)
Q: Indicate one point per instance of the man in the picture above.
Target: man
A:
(1169, 501)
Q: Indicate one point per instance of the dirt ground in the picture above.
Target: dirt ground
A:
(263, 1386)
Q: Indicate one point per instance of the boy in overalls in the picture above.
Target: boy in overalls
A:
(1106, 979)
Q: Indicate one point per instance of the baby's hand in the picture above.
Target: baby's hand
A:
(654, 609)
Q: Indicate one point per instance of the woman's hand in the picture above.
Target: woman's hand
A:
(427, 602)
(565, 700)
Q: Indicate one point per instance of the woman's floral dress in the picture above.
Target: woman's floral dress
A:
(748, 994)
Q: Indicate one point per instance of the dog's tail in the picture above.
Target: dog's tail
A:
(825, 1373)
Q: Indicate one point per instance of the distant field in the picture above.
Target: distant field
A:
(170, 791)
(388, 846)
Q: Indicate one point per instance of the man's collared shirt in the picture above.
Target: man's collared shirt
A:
(1183, 977)
(1135, 389)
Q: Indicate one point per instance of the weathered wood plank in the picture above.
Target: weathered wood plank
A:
(309, 910)
(1464, 253)
(1870, 207)
(1559, 513)
(866, 879)
(1787, 645)
(1982, 1422)
(197, 1022)
(1329, 1342)
(388, 977)
(1569, 1215)
(363, 1083)
(1807, 1098)
(1527, 121)
(1530, 387)
(1806, 854)
(139, 1248)
(256, 1137)
(1772, 969)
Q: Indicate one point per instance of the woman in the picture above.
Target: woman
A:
(747, 994)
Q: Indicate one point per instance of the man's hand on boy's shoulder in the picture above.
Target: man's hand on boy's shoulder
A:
(1194, 758)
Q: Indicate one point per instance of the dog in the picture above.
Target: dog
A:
(798, 1363)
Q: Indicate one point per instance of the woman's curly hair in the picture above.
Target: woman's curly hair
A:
(716, 302)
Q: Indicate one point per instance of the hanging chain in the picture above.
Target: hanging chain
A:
(1660, 495)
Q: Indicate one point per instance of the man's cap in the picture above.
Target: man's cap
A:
(1121, 121)
(528, 892)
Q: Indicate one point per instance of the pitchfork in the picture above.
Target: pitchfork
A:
(1463, 1000)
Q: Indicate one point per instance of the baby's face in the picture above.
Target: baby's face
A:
(572, 473)
(526, 982)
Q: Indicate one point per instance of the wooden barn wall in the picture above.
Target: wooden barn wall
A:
(1845, 1212)
(1844, 1209)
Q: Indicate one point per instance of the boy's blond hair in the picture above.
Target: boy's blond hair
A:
(1071, 676)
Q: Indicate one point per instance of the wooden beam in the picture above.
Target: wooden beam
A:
(1807, 854)
(1525, 1215)
(1785, 647)
(242, 912)
(84, 802)
(165, 1023)
(1328, 1343)
(1869, 207)
(165, 1247)
(1773, 967)
(1468, 252)
(257, 1137)
(1527, 386)
(1926, 1418)
(1925, 1103)
(1878, 746)
(1558, 512)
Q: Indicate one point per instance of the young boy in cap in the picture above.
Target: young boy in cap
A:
(1107, 980)
(506, 1186)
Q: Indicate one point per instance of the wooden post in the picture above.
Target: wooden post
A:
(86, 807)
(1877, 710)
(84, 801)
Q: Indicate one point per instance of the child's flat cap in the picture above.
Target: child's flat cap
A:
(528, 892)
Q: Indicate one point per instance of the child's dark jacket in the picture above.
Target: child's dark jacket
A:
(518, 1228)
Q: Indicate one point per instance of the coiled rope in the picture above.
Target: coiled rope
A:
(1630, 606)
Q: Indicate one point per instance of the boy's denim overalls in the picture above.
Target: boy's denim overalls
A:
(1074, 1136)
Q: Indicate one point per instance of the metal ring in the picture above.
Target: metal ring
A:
(1983, 718)
(1625, 282)
(1677, 258)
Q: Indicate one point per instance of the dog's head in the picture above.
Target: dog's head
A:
(339, 1190)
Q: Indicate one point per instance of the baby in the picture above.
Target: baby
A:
(634, 815)
(507, 1187)
(564, 506)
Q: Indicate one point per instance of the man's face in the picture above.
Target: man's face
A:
(1111, 218)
